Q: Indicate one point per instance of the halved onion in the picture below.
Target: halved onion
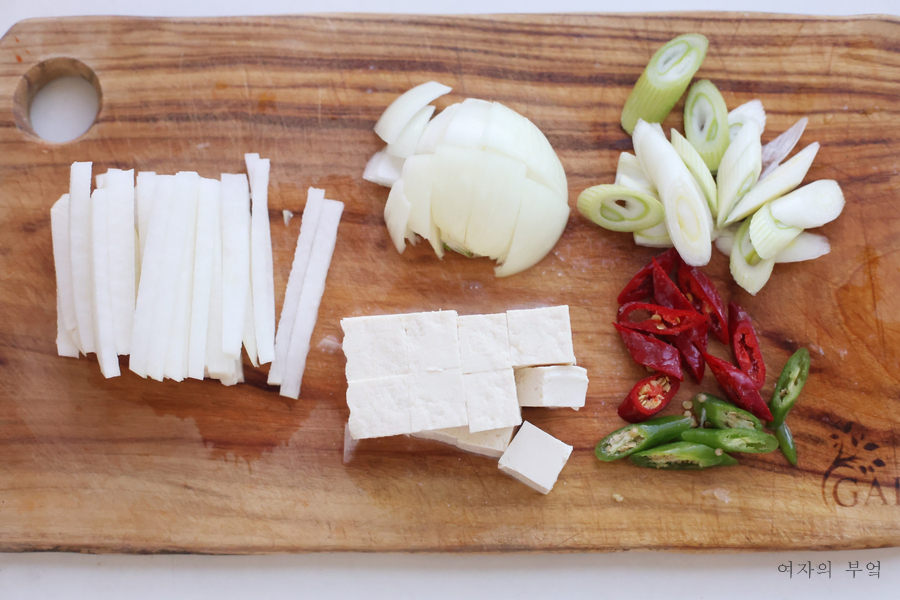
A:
(619, 208)
(435, 130)
(406, 144)
(541, 221)
(403, 109)
(467, 125)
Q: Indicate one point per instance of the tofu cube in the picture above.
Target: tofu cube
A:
(379, 407)
(540, 336)
(491, 443)
(535, 458)
(432, 340)
(437, 400)
(491, 401)
(484, 343)
(557, 386)
(375, 347)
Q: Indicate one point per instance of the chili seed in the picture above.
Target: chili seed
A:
(618, 497)
(687, 404)
(719, 452)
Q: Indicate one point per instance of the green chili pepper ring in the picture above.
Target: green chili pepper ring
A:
(790, 384)
(640, 436)
(732, 440)
(723, 415)
(681, 456)
(786, 443)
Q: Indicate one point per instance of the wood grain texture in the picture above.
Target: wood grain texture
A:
(128, 465)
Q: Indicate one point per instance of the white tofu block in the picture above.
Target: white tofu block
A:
(491, 443)
(374, 347)
(437, 400)
(379, 407)
(540, 336)
(557, 386)
(491, 401)
(432, 340)
(535, 458)
(483, 343)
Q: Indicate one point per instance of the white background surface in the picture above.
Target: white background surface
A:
(460, 577)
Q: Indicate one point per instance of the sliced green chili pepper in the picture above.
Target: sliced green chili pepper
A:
(681, 456)
(732, 440)
(793, 377)
(722, 414)
(786, 443)
(640, 436)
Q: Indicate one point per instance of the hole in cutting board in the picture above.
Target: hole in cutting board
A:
(57, 100)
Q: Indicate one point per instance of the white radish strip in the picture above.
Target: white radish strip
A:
(235, 375)
(435, 130)
(100, 180)
(216, 362)
(152, 275)
(249, 333)
(143, 200)
(207, 206)
(104, 334)
(120, 186)
(405, 146)
(80, 251)
(308, 224)
(383, 169)
(311, 297)
(404, 108)
(62, 261)
(187, 196)
(261, 267)
(235, 260)
(64, 344)
(777, 150)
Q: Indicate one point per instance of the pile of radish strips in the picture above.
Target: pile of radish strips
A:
(478, 179)
(667, 196)
(177, 272)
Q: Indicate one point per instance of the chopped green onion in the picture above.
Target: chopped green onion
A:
(811, 206)
(687, 215)
(706, 122)
(777, 150)
(782, 180)
(806, 246)
(664, 80)
(749, 111)
(654, 237)
(618, 208)
(695, 164)
(768, 235)
(739, 169)
(725, 239)
(631, 174)
(748, 270)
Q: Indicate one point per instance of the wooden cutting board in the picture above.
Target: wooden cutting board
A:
(127, 465)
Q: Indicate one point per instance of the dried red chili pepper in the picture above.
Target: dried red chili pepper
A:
(651, 352)
(648, 397)
(692, 344)
(739, 387)
(641, 285)
(662, 320)
(665, 292)
(701, 292)
(745, 345)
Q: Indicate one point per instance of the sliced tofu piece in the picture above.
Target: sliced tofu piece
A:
(62, 262)
(540, 336)
(375, 347)
(432, 340)
(483, 343)
(379, 407)
(491, 401)
(102, 316)
(437, 400)
(80, 251)
(535, 458)
(556, 386)
(120, 187)
(491, 443)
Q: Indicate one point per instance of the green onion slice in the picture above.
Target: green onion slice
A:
(768, 235)
(739, 169)
(619, 208)
(749, 271)
(695, 164)
(664, 80)
(654, 237)
(749, 111)
(706, 122)
(813, 205)
(631, 174)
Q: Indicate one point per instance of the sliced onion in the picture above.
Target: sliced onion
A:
(396, 216)
(783, 179)
(489, 231)
(467, 125)
(403, 109)
(654, 237)
(688, 219)
(383, 168)
(541, 221)
(749, 111)
(418, 180)
(811, 206)
(435, 130)
(739, 169)
(778, 149)
(406, 144)
(806, 246)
